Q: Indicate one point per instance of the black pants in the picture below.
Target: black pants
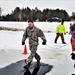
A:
(57, 36)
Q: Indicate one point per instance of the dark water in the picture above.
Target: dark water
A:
(17, 69)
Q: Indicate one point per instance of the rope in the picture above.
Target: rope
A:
(56, 48)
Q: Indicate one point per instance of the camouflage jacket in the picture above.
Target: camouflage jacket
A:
(33, 35)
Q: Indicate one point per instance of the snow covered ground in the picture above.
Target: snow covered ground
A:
(57, 55)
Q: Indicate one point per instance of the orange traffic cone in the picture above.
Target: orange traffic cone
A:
(25, 50)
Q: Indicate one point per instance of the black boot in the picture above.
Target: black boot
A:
(28, 65)
(55, 42)
(38, 63)
(74, 64)
(64, 43)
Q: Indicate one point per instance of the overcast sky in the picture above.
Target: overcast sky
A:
(9, 5)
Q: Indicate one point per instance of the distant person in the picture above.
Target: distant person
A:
(32, 33)
(73, 36)
(60, 31)
(73, 27)
(70, 28)
(73, 46)
(73, 41)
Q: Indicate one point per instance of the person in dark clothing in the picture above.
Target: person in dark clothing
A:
(70, 28)
(73, 27)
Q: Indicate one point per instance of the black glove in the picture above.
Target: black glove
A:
(72, 56)
(44, 42)
(23, 43)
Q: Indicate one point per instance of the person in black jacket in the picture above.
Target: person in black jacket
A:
(73, 27)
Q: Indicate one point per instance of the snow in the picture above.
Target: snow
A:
(57, 55)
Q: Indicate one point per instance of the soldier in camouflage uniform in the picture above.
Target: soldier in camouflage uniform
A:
(33, 33)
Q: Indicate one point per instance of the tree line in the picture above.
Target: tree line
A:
(26, 13)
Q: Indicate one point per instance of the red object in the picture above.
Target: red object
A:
(25, 50)
(74, 32)
(73, 43)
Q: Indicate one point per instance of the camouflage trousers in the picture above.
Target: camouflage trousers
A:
(33, 54)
